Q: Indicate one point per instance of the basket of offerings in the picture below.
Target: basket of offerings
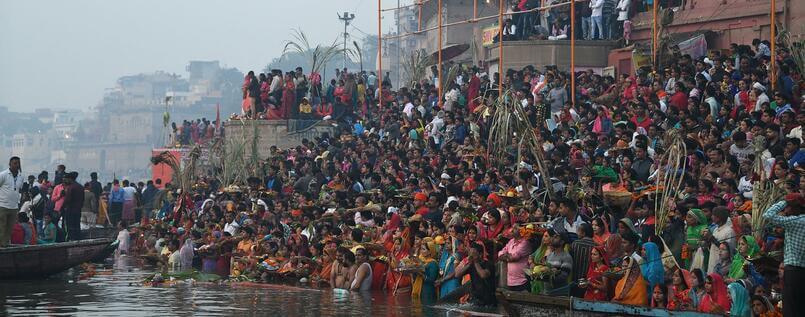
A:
(618, 198)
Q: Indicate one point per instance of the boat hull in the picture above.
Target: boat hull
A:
(39, 261)
(519, 304)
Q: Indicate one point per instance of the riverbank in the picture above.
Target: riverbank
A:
(116, 289)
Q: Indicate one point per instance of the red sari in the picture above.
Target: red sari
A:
(288, 99)
(719, 301)
(595, 274)
(397, 280)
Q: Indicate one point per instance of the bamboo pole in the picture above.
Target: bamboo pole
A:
(474, 9)
(379, 55)
(654, 35)
(573, 52)
(500, 49)
(439, 46)
(773, 39)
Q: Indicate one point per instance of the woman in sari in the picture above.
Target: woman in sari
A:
(740, 301)
(697, 290)
(696, 222)
(288, 97)
(747, 248)
(652, 268)
(679, 292)
(725, 258)
(715, 299)
(424, 288)
(610, 242)
(631, 289)
(397, 281)
(538, 258)
(447, 266)
(598, 283)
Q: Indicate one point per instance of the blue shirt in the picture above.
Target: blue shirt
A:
(117, 196)
(794, 252)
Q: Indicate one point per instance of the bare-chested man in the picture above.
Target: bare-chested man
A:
(340, 275)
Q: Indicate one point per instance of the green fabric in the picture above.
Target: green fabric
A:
(607, 174)
(538, 286)
(738, 261)
(699, 214)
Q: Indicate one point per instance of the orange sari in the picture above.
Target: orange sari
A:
(632, 289)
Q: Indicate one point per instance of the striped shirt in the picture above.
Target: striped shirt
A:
(794, 252)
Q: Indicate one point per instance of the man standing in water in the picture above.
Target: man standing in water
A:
(362, 280)
(10, 187)
(73, 202)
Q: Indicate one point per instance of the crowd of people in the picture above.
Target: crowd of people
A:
(197, 131)
(594, 19)
(405, 196)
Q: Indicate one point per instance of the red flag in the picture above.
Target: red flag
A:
(217, 116)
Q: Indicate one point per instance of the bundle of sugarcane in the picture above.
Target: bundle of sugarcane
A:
(168, 159)
(765, 191)
(511, 128)
(670, 175)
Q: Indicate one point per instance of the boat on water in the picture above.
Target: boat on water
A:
(520, 304)
(39, 261)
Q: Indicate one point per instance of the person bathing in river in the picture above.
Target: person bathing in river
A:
(362, 271)
(339, 276)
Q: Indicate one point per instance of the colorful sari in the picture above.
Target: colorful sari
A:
(632, 289)
(652, 268)
(693, 235)
(717, 302)
(595, 274)
(396, 281)
(740, 301)
(423, 287)
(679, 298)
(738, 260)
(538, 286)
(447, 265)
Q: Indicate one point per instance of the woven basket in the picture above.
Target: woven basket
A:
(618, 198)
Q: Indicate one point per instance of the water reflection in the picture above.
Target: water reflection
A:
(116, 290)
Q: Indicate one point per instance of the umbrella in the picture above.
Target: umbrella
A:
(449, 52)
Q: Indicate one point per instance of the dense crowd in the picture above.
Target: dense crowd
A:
(198, 131)
(406, 197)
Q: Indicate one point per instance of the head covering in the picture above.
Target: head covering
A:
(740, 300)
(445, 176)
(652, 268)
(630, 225)
(421, 197)
(495, 199)
(604, 257)
(718, 297)
(759, 86)
(699, 215)
(738, 260)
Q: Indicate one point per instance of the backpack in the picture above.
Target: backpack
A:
(38, 209)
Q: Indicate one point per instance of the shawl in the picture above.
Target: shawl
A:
(718, 301)
(694, 233)
(652, 268)
(632, 288)
(740, 300)
(738, 260)
(679, 298)
(595, 273)
(537, 286)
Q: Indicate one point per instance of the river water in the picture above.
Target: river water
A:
(116, 290)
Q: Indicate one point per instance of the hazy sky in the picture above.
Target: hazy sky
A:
(62, 54)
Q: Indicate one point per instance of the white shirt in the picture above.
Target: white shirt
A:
(232, 228)
(409, 110)
(128, 193)
(10, 189)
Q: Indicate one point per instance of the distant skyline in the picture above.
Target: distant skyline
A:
(63, 54)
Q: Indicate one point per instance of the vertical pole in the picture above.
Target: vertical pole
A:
(654, 35)
(474, 9)
(379, 56)
(439, 47)
(399, 43)
(773, 40)
(573, 52)
(345, 42)
(500, 49)
(419, 20)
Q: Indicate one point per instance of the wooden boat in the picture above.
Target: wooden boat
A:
(521, 304)
(38, 261)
